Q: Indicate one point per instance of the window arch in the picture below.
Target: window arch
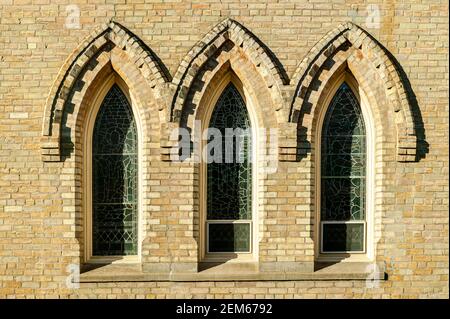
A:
(114, 177)
(343, 182)
(229, 176)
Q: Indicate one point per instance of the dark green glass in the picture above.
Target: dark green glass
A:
(229, 185)
(229, 237)
(343, 171)
(229, 181)
(343, 237)
(114, 177)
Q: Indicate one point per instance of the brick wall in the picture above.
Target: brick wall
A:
(272, 45)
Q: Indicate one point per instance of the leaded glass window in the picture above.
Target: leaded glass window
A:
(114, 178)
(343, 176)
(229, 183)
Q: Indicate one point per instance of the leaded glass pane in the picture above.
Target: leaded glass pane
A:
(342, 199)
(343, 237)
(229, 237)
(114, 177)
(229, 185)
(343, 167)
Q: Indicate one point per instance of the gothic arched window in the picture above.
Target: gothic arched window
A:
(114, 178)
(229, 177)
(343, 175)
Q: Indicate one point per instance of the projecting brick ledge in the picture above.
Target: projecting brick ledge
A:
(230, 272)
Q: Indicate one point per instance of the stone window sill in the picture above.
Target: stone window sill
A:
(229, 272)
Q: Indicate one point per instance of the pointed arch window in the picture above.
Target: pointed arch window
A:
(114, 178)
(229, 180)
(343, 175)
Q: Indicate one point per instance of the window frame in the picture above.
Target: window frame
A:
(208, 107)
(87, 196)
(368, 253)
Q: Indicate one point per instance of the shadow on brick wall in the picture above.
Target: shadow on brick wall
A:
(423, 147)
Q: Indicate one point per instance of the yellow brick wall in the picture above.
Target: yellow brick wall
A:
(40, 201)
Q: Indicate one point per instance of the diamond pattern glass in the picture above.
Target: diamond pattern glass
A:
(114, 177)
(343, 172)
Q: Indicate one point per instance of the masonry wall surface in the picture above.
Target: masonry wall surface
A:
(41, 199)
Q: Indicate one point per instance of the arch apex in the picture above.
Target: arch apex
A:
(226, 30)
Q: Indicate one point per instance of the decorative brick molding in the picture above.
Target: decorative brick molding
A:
(229, 29)
(171, 94)
(313, 65)
(108, 34)
(205, 54)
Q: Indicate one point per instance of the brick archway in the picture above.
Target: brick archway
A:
(227, 45)
(106, 37)
(228, 30)
(377, 62)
